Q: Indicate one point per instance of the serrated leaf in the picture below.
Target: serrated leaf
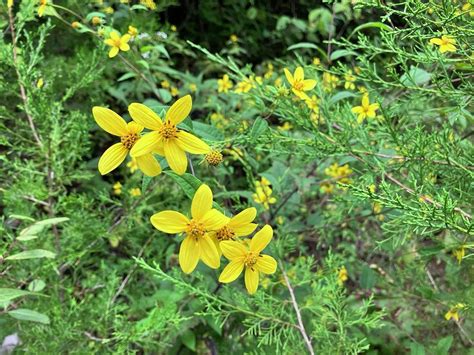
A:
(187, 182)
(29, 315)
(207, 131)
(32, 254)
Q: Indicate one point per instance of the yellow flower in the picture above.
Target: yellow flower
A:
(9, 3)
(214, 157)
(238, 226)
(197, 245)
(129, 134)
(280, 220)
(165, 138)
(135, 192)
(268, 74)
(298, 84)
(330, 81)
(244, 86)
(377, 207)
(149, 4)
(316, 61)
(132, 31)
(109, 10)
(117, 43)
(445, 43)
(224, 84)
(233, 38)
(312, 103)
(174, 91)
(459, 253)
(454, 312)
(263, 196)
(40, 83)
(192, 87)
(285, 127)
(132, 165)
(342, 276)
(42, 7)
(96, 20)
(372, 188)
(350, 79)
(165, 84)
(367, 110)
(117, 188)
(173, 28)
(249, 257)
(278, 82)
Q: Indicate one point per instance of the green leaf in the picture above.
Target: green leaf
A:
(443, 346)
(258, 128)
(417, 349)
(189, 339)
(300, 45)
(341, 95)
(368, 278)
(36, 285)
(39, 226)
(415, 76)
(126, 76)
(29, 315)
(8, 294)
(165, 95)
(146, 182)
(24, 238)
(379, 25)
(187, 182)
(32, 254)
(341, 53)
(207, 131)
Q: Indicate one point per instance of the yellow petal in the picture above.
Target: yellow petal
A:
(374, 107)
(450, 48)
(124, 47)
(357, 109)
(145, 116)
(261, 239)
(134, 128)
(148, 164)
(209, 254)
(299, 74)
(309, 84)
(109, 42)
(191, 143)
(113, 52)
(245, 230)
(109, 121)
(159, 149)
(189, 254)
(232, 270)
(146, 144)
(175, 156)
(300, 94)
(233, 250)
(365, 101)
(288, 75)
(266, 264)
(202, 202)
(179, 110)
(371, 113)
(125, 38)
(251, 280)
(243, 218)
(214, 220)
(437, 41)
(171, 222)
(112, 157)
(114, 35)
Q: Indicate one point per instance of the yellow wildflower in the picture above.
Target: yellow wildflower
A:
(135, 192)
(367, 110)
(298, 84)
(117, 43)
(445, 43)
(149, 4)
(174, 91)
(75, 25)
(268, 74)
(342, 276)
(453, 312)
(316, 61)
(280, 220)
(42, 7)
(9, 3)
(96, 20)
(173, 28)
(330, 82)
(233, 38)
(224, 84)
(117, 188)
(192, 87)
(377, 207)
(350, 79)
(165, 84)
(109, 10)
(165, 138)
(197, 245)
(285, 127)
(249, 257)
(40, 83)
(244, 86)
(132, 165)
(218, 120)
(312, 103)
(372, 188)
(214, 157)
(278, 82)
(132, 31)
(263, 196)
(129, 134)
(459, 253)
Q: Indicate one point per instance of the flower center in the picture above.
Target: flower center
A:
(250, 260)
(195, 229)
(225, 233)
(214, 157)
(298, 85)
(129, 140)
(168, 130)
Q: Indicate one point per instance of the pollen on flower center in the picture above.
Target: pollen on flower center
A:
(298, 85)
(129, 140)
(225, 233)
(250, 259)
(168, 131)
(195, 229)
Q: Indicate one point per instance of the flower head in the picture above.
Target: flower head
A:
(135, 192)
(366, 110)
(165, 138)
(342, 276)
(298, 84)
(350, 79)
(248, 256)
(118, 43)
(445, 43)
(233, 38)
(43, 4)
(214, 157)
(197, 244)
(460, 253)
(129, 134)
(132, 31)
(453, 312)
(263, 196)
(224, 84)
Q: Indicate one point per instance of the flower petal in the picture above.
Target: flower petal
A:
(113, 52)
(437, 41)
(114, 35)
(309, 84)
(179, 110)
(146, 144)
(245, 230)
(357, 109)
(243, 218)
(251, 280)
(145, 116)
(189, 254)
(232, 270)
(232, 249)
(109, 121)
(134, 128)
(261, 239)
(266, 264)
(299, 74)
(124, 47)
(209, 254)
(125, 38)
(175, 156)
(288, 75)
(365, 101)
(171, 222)
(148, 164)
(214, 220)
(202, 202)
(112, 157)
(192, 144)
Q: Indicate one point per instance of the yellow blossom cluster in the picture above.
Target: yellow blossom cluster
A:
(453, 312)
(263, 193)
(337, 174)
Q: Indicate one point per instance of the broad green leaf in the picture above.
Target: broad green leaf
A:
(29, 315)
(206, 131)
(417, 349)
(258, 128)
(127, 76)
(368, 278)
(8, 294)
(415, 76)
(341, 53)
(379, 25)
(189, 339)
(32, 254)
(187, 182)
(39, 226)
(36, 285)
(443, 346)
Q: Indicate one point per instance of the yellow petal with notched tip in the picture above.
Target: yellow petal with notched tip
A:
(109, 121)
(261, 239)
(232, 270)
(179, 110)
(169, 222)
(189, 254)
(175, 156)
(148, 165)
(112, 157)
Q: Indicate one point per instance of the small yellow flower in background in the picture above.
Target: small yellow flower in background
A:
(214, 157)
(192, 87)
(109, 10)
(367, 110)
(132, 165)
(233, 38)
(238, 226)
(218, 120)
(330, 81)
(42, 7)
(342, 276)
(377, 207)
(150, 4)
(263, 193)
(268, 74)
(9, 3)
(362, 89)
(453, 312)
(459, 253)
(327, 188)
(165, 138)
(244, 86)
(129, 134)
(298, 84)
(350, 79)
(338, 174)
(224, 84)
(174, 91)
(173, 28)
(118, 43)
(445, 43)
(197, 244)
(40, 83)
(248, 256)
(372, 188)
(132, 31)
(285, 127)
(100, 32)
(135, 192)
(124, 1)
(280, 220)
(316, 61)
(312, 103)
(165, 84)
(263, 182)
(117, 188)
(96, 20)
(278, 82)
(75, 25)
